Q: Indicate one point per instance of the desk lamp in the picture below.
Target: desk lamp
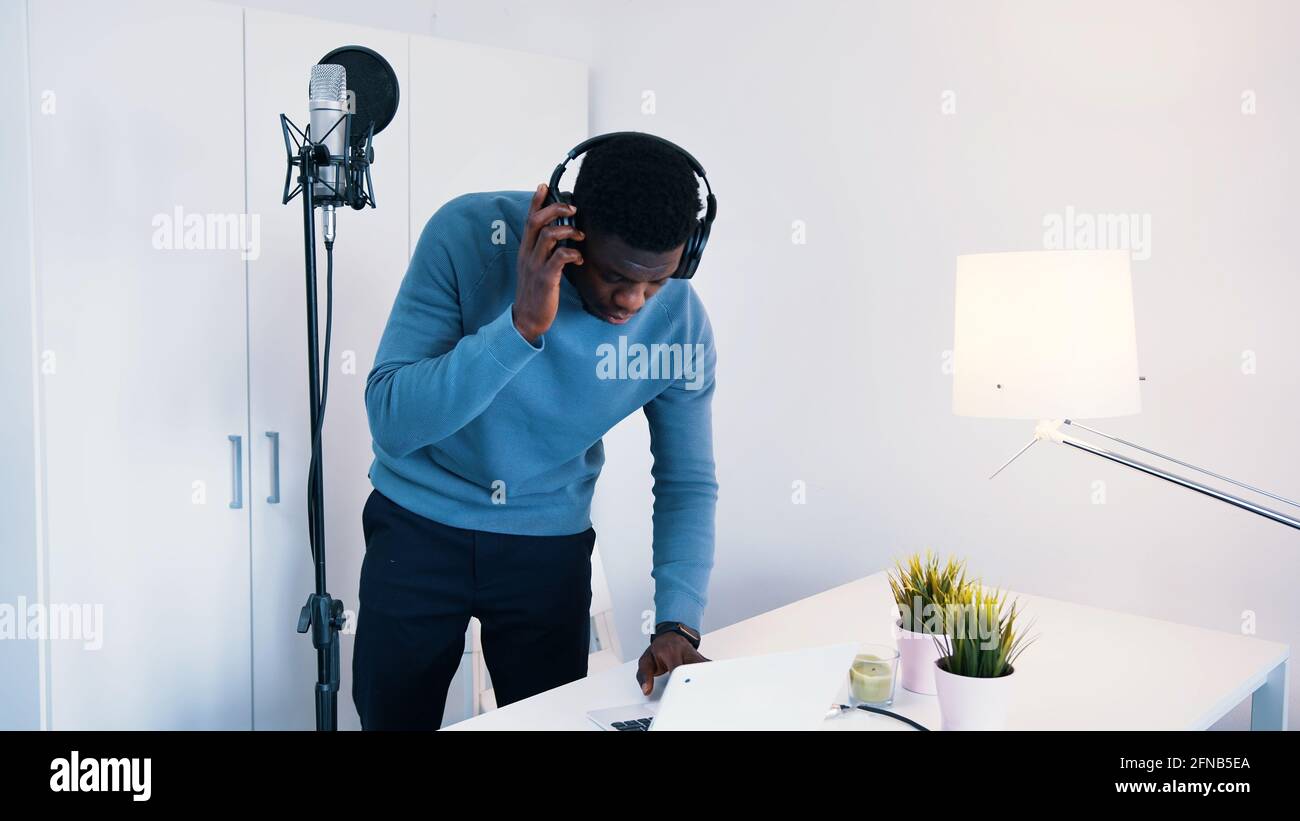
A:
(1050, 336)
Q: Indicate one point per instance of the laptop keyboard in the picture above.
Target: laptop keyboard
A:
(635, 725)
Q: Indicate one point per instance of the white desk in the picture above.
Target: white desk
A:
(1146, 674)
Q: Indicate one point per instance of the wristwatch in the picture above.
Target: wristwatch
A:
(680, 629)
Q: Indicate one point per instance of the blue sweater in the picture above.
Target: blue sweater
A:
(477, 428)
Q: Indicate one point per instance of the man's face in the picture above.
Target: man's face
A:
(616, 280)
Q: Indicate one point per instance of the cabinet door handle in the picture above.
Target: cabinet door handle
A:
(236, 472)
(274, 498)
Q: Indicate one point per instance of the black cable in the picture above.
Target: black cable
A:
(329, 326)
(314, 466)
(889, 714)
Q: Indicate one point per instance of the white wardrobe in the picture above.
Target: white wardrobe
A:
(167, 381)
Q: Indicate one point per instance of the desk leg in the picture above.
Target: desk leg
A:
(1268, 704)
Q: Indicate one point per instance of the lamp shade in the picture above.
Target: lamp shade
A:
(1045, 335)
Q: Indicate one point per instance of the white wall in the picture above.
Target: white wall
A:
(831, 353)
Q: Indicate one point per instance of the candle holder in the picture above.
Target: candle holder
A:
(873, 676)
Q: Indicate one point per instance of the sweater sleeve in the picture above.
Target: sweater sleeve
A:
(685, 489)
(430, 379)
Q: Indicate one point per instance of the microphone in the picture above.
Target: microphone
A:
(328, 111)
(336, 149)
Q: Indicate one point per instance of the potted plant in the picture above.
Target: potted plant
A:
(923, 587)
(975, 672)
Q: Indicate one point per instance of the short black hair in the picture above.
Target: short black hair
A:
(639, 189)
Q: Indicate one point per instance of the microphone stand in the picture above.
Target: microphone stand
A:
(323, 614)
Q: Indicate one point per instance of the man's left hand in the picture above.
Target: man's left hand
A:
(664, 653)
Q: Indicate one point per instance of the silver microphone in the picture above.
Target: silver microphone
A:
(328, 106)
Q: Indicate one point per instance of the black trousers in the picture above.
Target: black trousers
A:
(420, 583)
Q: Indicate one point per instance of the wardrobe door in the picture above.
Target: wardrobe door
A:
(459, 85)
(22, 707)
(370, 257)
(138, 186)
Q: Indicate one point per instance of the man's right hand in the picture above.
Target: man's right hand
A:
(541, 264)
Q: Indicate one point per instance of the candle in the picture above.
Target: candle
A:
(871, 679)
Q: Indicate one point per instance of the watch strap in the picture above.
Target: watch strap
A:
(678, 628)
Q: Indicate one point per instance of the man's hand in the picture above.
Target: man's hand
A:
(664, 653)
(541, 264)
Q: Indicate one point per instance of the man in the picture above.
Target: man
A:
(504, 362)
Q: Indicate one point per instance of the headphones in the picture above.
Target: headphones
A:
(694, 248)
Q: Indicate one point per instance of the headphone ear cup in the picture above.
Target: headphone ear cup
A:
(691, 252)
(699, 239)
(565, 221)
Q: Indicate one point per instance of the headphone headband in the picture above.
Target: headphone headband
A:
(591, 142)
(694, 247)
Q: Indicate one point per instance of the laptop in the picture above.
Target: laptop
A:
(778, 691)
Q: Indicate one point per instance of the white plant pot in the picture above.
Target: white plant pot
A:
(917, 653)
(967, 703)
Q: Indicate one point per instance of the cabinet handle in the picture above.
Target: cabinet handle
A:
(274, 498)
(236, 471)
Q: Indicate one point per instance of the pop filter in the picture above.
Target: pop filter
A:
(374, 83)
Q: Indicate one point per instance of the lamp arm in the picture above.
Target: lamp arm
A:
(1014, 458)
(1158, 455)
(1051, 430)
